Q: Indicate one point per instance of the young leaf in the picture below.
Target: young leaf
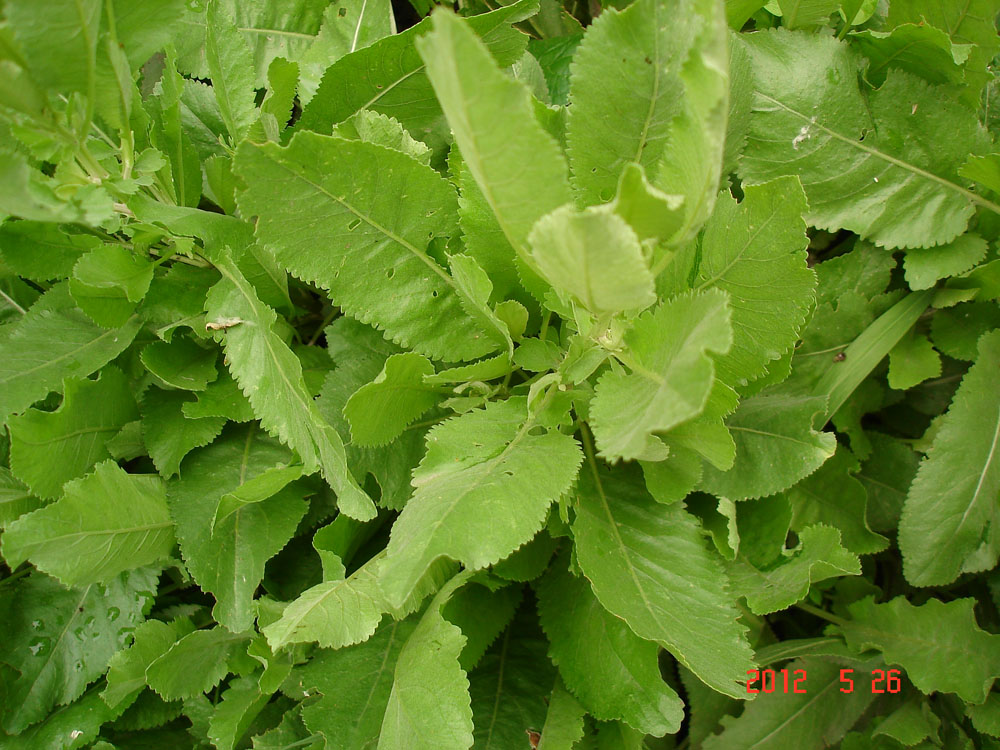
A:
(859, 161)
(381, 410)
(59, 640)
(54, 340)
(594, 258)
(181, 363)
(612, 671)
(350, 185)
(241, 703)
(479, 467)
(649, 566)
(926, 641)
(48, 448)
(950, 512)
(508, 165)
(108, 283)
(563, 726)
(105, 523)
(667, 351)
(924, 266)
(271, 377)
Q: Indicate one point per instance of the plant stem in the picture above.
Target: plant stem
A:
(821, 613)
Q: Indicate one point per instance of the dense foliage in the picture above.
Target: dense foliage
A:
(526, 378)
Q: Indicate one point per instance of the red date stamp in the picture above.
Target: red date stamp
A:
(794, 681)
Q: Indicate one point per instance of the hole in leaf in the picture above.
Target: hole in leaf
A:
(390, 273)
(353, 225)
(341, 12)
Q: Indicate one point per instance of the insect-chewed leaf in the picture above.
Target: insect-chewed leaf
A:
(481, 467)
(60, 639)
(647, 564)
(365, 227)
(928, 642)
(47, 449)
(949, 523)
(864, 164)
(105, 523)
(672, 374)
(821, 556)
(271, 376)
(381, 410)
(612, 671)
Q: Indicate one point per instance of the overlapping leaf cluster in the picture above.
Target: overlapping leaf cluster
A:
(522, 378)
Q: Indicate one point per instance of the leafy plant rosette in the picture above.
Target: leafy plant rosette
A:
(530, 377)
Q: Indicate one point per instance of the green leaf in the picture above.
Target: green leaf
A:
(108, 283)
(389, 76)
(229, 65)
(429, 705)
(181, 363)
(169, 435)
(481, 466)
(194, 664)
(644, 46)
(818, 557)
(594, 258)
(84, 717)
(509, 686)
(924, 266)
(59, 640)
(649, 566)
(927, 641)
(833, 496)
(345, 183)
(755, 251)
(920, 49)
(382, 130)
(862, 160)
(381, 410)
(270, 375)
(241, 703)
(776, 446)
(522, 159)
(482, 615)
(226, 554)
(54, 340)
(221, 398)
(951, 511)
(15, 498)
(692, 160)
(813, 719)
(48, 448)
(41, 251)
(62, 41)
(613, 672)
(796, 14)
(563, 726)
(354, 684)
(667, 352)
(105, 523)
(127, 669)
(912, 361)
